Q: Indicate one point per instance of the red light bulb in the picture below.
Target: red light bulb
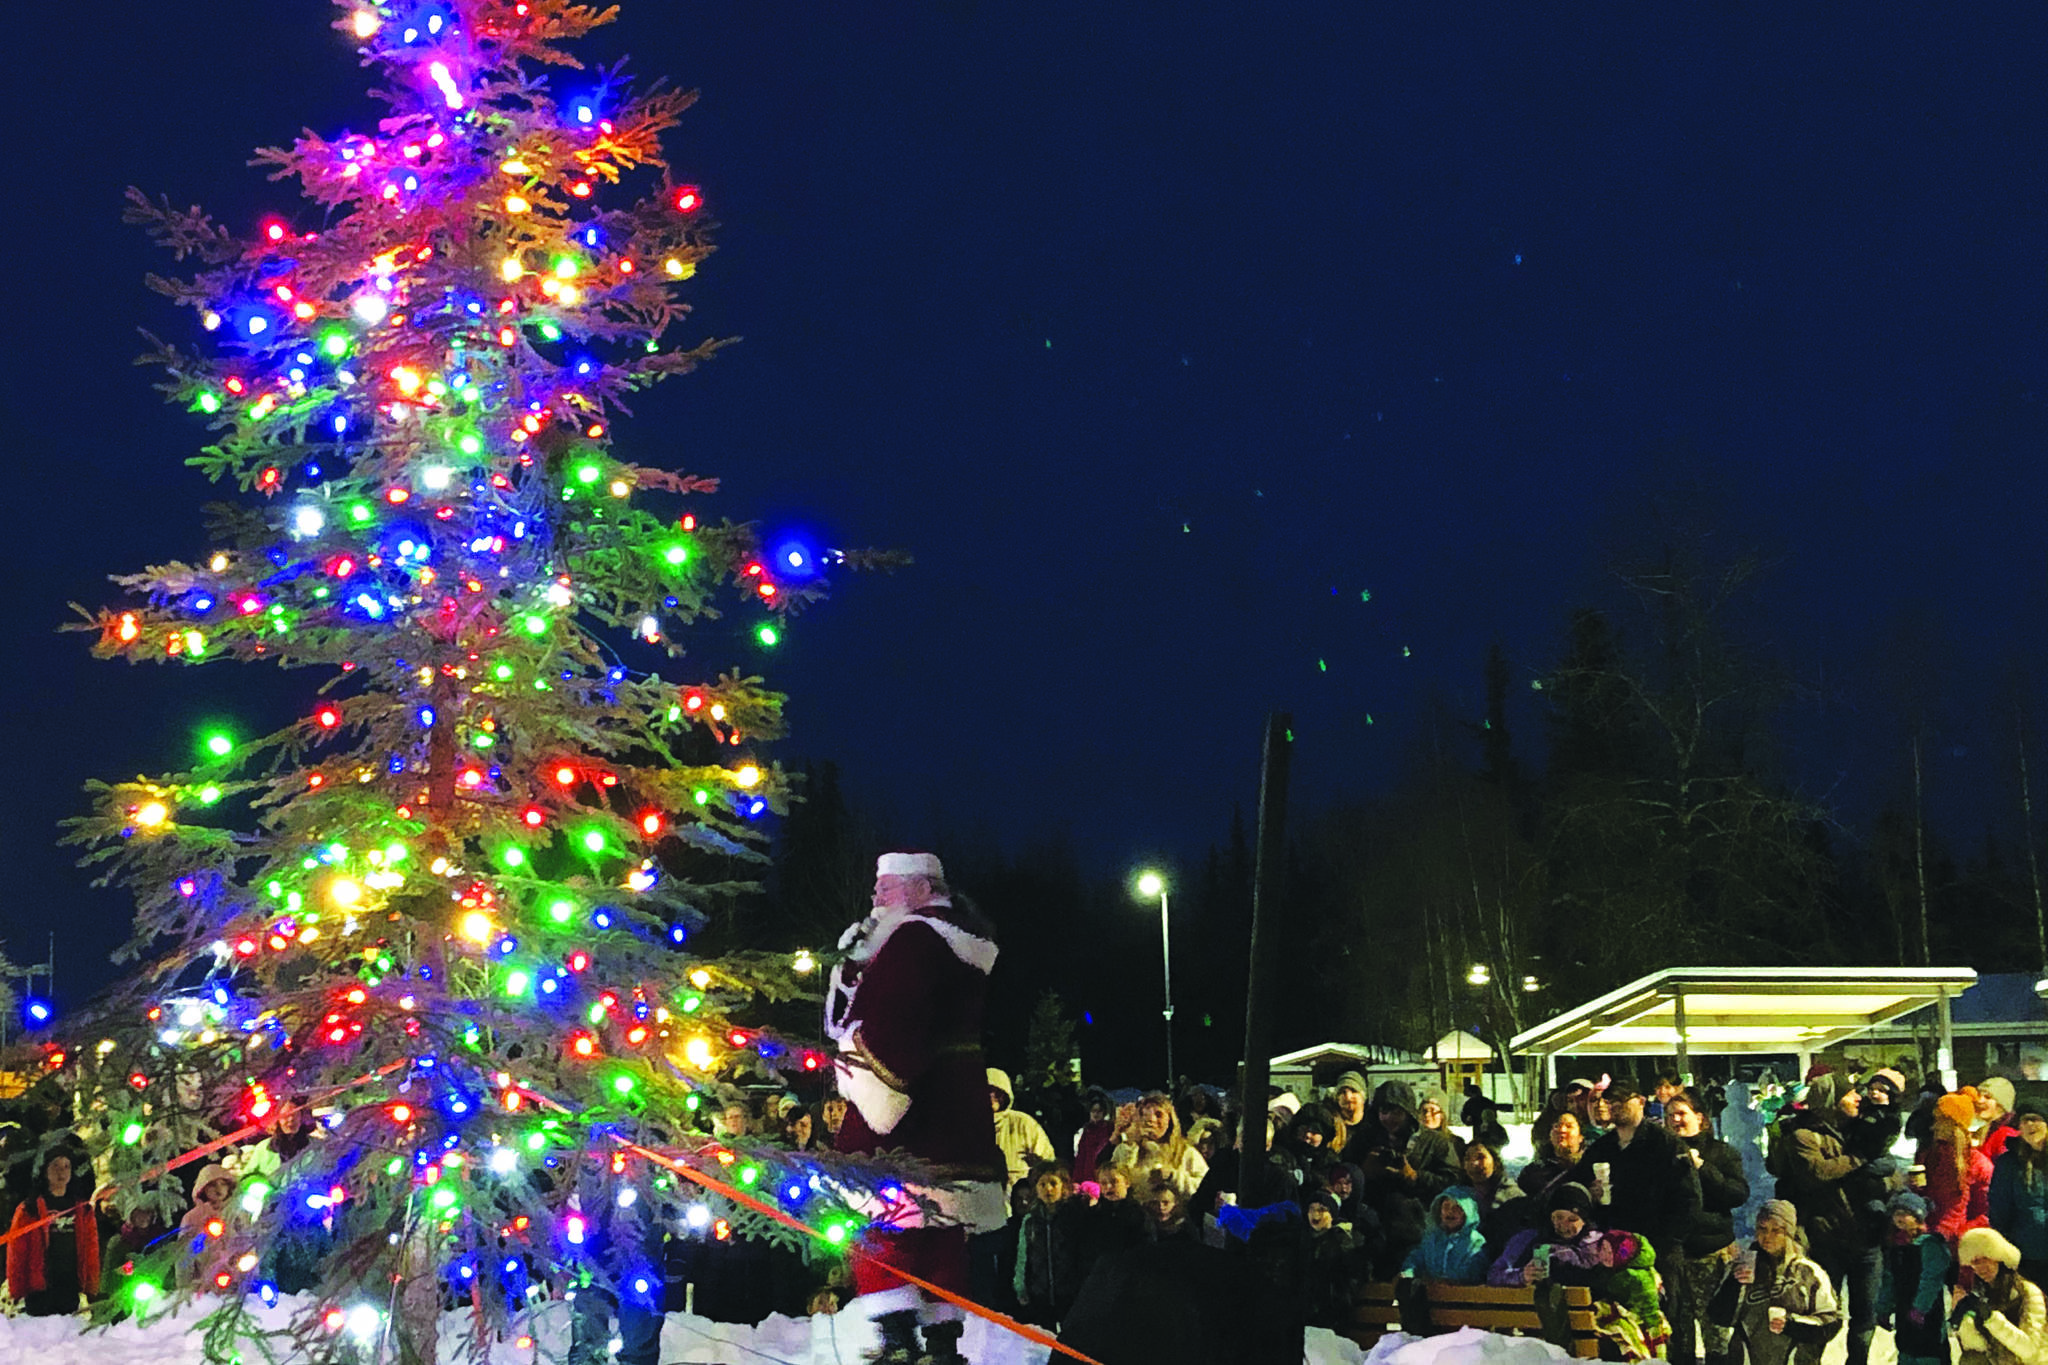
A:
(534, 817)
(328, 717)
(650, 822)
(688, 199)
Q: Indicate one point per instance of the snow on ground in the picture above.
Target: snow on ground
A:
(1466, 1346)
(834, 1339)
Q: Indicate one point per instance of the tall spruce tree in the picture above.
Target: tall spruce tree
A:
(451, 908)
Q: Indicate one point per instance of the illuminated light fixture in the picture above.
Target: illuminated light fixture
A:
(687, 199)
(370, 308)
(150, 814)
(365, 23)
(476, 927)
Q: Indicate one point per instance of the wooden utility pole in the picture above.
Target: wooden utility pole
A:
(1268, 874)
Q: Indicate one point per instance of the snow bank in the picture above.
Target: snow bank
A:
(1466, 1346)
(834, 1339)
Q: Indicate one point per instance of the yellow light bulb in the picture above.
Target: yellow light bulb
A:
(698, 1053)
(511, 269)
(344, 891)
(219, 563)
(700, 978)
(747, 776)
(151, 814)
(571, 296)
(476, 927)
(516, 204)
(516, 167)
(367, 24)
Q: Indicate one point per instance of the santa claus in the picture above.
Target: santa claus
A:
(905, 1008)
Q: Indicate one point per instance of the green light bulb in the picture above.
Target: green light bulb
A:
(562, 911)
(220, 745)
(209, 403)
(536, 625)
(623, 1084)
(677, 555)
(768, 636)
(588, 473)
(594, 841)
(208, 794)
(513, 856)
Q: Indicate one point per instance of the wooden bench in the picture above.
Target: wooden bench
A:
(1451, 1306)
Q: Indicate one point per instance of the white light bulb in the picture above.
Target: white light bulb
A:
(309, 521)
(371, 309)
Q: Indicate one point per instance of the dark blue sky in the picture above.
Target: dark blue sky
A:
(1159, 333)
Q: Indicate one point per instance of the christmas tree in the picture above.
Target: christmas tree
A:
(450, 910)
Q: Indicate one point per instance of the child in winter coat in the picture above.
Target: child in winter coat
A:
(1569, 1250)
(1781, 1305)
(2001, 1319)
(1047, 1278)
(54, 1253)
(1453, 1249)
(1336, 1266)
(1911, 1297)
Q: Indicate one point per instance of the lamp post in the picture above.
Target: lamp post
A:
(1151, 884)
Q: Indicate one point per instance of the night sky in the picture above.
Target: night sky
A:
(1160, 333)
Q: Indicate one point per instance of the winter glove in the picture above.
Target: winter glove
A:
(1970, 1338)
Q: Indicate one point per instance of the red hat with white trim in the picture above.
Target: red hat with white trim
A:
(909, 865)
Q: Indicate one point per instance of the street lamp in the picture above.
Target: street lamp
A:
(1151, 884)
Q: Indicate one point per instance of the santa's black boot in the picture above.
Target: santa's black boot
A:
(942, 1343)
(899, 1338)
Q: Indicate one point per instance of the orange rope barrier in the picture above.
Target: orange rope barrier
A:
(762, 1207)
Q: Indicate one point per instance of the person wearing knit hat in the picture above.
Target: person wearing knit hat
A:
(1349, 1096)
(1958, 1174)
(1995, 1100)
(2018, 1205)
(1780, 1301)
(1832, 1188)
(2002, 1319)
(1913, 1299)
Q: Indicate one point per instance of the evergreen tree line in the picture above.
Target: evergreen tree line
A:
(1624, 806)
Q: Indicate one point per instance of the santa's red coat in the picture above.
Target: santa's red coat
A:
(919, 1008)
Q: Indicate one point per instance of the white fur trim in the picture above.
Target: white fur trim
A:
(880, 1107)
(977, 1205)
(909, 865)
(904, 1297)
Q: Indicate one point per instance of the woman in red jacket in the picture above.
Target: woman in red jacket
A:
(1958, 1174)
(50, 1263)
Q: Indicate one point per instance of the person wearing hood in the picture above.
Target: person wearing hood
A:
(1452, 1249)
(2001, 1319)
(1779, 1302)
(1995, 1100)
(53, 1251)
(2019, 1190)
(1912, 1300)
(1567, 1249)
(1020, 1137)
(1379, 1145)
(1832, 1190)
(1153, 1143)
(1709, 1241)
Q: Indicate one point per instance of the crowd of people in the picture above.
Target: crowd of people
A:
(1630, 1192)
